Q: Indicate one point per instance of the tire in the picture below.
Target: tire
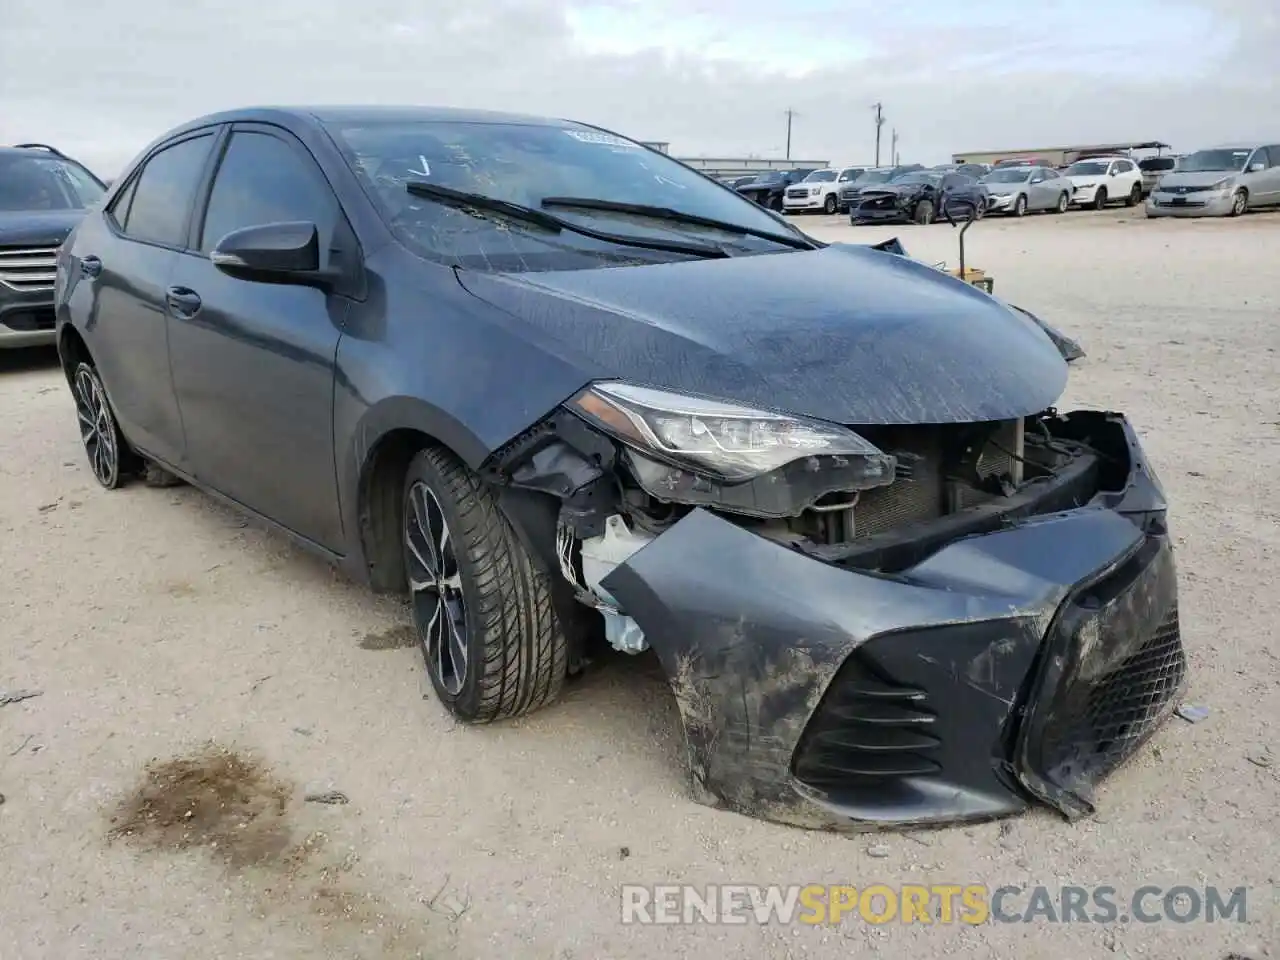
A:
(775, 203)
(1020, 206)
(923, 213)
(111, 460)
(1135, 196)
(1064, 201)
(829, 204)
(1239, 202)
(493, 645)
(1100, 198)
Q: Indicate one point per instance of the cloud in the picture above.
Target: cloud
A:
(103, 77)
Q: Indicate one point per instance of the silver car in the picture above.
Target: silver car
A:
(1222, 181)
(1020, 190)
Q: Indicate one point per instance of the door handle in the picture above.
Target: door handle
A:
(184, 303)
(90, 266)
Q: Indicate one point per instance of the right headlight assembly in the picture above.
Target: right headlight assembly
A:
(726, 442)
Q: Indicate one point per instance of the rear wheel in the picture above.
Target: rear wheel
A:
(924, 212)
(493, 645)
(109, 455)
(1020, 206)
(1135, 196)
(775, 203)
(1100, 198)
(829, 204)
(1239, 202)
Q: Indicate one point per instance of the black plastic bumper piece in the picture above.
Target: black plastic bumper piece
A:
(1012, 665)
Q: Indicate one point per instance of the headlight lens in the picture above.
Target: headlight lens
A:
(1222, 184)
(723, 440)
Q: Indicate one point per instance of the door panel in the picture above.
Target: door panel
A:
(126, 256)
(253, 361)
(253, 368)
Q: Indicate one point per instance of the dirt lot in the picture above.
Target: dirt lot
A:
(200, 678)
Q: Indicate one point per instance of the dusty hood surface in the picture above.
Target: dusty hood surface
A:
(847, 333)
(37, 228)
(1199, 178)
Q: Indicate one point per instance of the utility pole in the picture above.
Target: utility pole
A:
(879, 109)
(893, 150)
(790, 114)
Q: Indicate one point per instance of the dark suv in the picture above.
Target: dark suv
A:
(43, 194)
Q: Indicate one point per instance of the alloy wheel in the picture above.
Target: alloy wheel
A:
(1063, 202)
(97, 428)
(435, 586)
(1238, 203)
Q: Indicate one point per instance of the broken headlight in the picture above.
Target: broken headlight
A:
(723, 440)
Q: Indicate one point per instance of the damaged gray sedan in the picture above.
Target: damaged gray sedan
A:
(564, 391)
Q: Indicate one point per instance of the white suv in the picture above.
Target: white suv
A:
(820, 190)
(1102, 180)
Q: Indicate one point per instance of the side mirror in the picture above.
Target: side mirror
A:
(1257, 167)
(273, 253)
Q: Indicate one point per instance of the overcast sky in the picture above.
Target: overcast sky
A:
(101, 78)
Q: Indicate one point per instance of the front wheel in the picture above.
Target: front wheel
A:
(1100, 198)
(1020, 206)
(493, 645)
(1135, 196)
(829, 204)
(924, 213)
(1239, 203)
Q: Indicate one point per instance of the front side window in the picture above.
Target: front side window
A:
(164, 190)
(1260, 156)
(261, 180)
(525, 164)
(39, 182)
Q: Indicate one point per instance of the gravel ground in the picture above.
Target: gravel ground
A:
(155, 622)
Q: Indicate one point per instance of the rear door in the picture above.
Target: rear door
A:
(125, 262)
(1266, 184)
(253, 362)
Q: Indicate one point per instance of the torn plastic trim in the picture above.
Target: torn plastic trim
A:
(751, 633)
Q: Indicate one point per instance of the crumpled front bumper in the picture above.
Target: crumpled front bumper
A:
(1007, 666)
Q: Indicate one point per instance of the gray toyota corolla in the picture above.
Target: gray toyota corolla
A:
(563, 391)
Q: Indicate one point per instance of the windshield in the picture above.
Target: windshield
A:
(820, 176)
(919, 176)
(41, 182)
(524, 164)
(851, 174)
(1008, 175)
(875, 176)
(1207, 160)
(1088, 168)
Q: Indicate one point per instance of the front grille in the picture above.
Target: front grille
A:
(29, 321)
(867, 731)
(797, 193)
(848, 193)
(28, 268)
(1114, 667)
(1124, 706)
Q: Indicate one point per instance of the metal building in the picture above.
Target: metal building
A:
(1060, 156)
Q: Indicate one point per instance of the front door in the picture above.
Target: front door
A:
(253, 362)
(126, 257)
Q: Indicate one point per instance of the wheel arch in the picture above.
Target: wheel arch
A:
(72, 350)
(381, 446)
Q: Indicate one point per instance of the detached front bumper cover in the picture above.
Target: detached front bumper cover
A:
(1019, 664)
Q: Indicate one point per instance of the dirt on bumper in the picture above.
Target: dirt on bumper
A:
(1008, 666)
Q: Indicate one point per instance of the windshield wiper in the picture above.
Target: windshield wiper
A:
(473, 203)
(675, 216)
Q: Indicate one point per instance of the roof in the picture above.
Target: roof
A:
(1075, 148)
(356, 113)
(1239, 145)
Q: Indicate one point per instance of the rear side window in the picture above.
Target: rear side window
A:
(157, 212)
(263, 180)
(1260, 156)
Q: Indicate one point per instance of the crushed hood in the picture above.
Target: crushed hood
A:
(37, 228)
(847, 333)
